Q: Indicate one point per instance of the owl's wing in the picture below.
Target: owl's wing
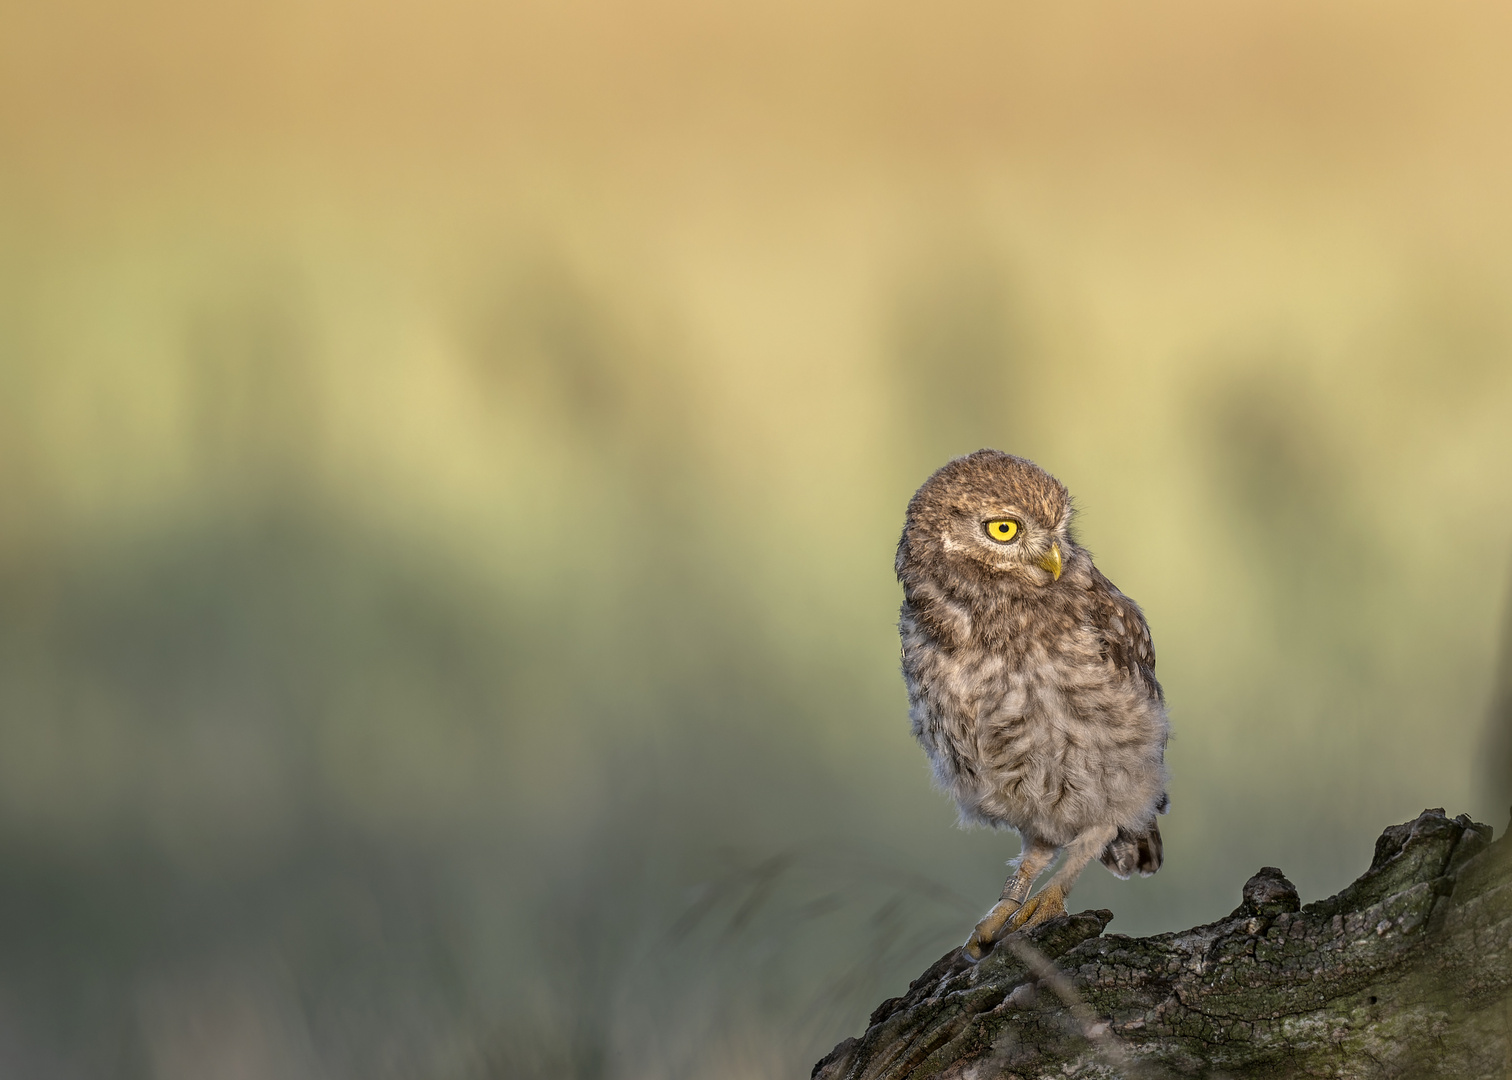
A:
(1126, 636)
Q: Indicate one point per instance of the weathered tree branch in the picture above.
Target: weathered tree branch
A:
(1407, 972)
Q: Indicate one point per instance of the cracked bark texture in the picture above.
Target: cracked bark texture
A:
(1406, 972)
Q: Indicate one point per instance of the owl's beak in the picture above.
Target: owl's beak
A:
(1052, 561)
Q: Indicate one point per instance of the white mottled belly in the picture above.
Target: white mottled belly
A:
(1049, 747)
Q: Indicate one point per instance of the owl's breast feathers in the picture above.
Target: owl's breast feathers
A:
(1062, 622)
(1037, 710)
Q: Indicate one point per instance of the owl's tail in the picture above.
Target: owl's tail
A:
(1131, 851)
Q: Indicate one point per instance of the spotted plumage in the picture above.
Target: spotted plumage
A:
(1031, 680)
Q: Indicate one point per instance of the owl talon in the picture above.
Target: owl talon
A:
(1049, 903)
(987, 932)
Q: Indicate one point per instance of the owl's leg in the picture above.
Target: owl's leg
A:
(1050, 902)
(1030, 864)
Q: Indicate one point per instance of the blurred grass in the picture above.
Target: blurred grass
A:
(450, 462)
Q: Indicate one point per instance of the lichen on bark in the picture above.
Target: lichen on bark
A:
(1406, 972)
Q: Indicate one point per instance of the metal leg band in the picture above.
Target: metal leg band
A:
(1015, 889)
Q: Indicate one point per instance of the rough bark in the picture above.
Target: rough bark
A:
(1407, 972)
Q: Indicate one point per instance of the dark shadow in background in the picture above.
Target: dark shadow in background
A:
(265, 848)
(1498, 771)
(1286, 488)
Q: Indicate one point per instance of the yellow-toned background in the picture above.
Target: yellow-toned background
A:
(451, 456)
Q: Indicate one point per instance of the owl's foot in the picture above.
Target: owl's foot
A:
(993, 926)
(1049, 903)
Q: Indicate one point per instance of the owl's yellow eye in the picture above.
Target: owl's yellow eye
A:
(1002, 530)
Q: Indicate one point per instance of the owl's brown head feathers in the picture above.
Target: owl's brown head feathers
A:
(988, 516)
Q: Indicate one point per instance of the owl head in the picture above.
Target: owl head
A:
(988, 515)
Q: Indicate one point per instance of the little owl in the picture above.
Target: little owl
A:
(1031, 681)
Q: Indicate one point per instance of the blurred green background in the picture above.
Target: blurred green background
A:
(451, 457)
